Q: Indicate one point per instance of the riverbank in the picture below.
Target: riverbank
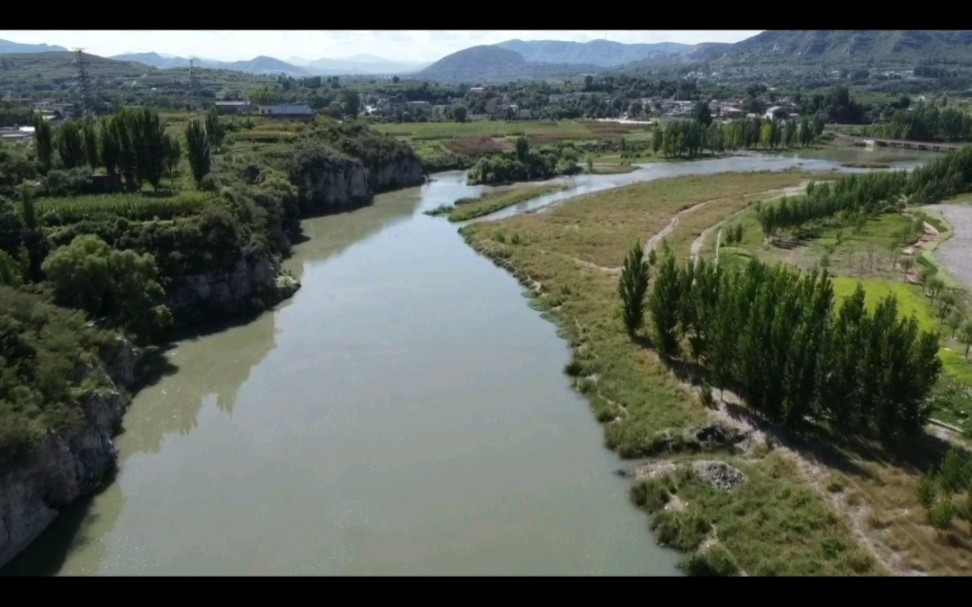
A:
(465, 209)
(154, 265)
(567, 258)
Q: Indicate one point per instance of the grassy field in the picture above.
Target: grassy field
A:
(494, 201)
(137, 206)
(911, 302)
(567, 257)
(535, 129)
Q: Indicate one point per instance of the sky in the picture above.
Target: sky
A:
(399, 45)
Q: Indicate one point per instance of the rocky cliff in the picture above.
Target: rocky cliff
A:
(402, 173)
(66, 466)
(250, 285)
(329, 184)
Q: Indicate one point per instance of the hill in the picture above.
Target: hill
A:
(603, 53)
(6, 46)
(359, 64)
(362, 64)
(495, 64)
(53, 75)
(852, 47)
(258, 65)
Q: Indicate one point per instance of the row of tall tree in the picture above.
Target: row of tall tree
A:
(926, 122)
(871, 193)
(131, 143)
(775, 335)
(689, 138)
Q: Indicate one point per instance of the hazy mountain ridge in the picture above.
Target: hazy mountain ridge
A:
(851, 46)
(602, 53)
(489, 63)
(8, 47)
(357, 65)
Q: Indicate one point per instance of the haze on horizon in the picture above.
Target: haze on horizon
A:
(398, 45)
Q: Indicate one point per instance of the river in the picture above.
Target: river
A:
(406, 412)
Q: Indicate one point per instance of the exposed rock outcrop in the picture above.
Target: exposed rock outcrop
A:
(403, 173)
(330, 184)
(65, 466)
(249, 285)
(719, 474)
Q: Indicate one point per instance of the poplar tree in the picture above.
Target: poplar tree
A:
(197, 150)
(632, 287)
(664, 306)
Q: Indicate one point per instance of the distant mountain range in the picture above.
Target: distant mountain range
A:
(495, 64)
(602, 53)
(521, 59)
(851, 46)
(7, 47)
(359, 64)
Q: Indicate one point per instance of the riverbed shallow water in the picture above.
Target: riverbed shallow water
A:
(405, 413)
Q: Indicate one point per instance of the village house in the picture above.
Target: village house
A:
(287, 112)
(779, 112)
(16, 134)
(234, 107)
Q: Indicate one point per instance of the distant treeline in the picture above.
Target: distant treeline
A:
(926, 122)
(689, 138)
(871, 193)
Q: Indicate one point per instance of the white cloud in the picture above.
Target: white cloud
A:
(406, 45)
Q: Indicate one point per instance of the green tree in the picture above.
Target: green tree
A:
(11, 273)
(120, 287)
(663, 305)
(352, 102)
(954, 321)
(906, 263)
(522, 149)
(966, 335)
(702, 113)
(173, 152)
(632, 287)
(90, 135)
(460, 112)
(124, 137)
(197, 150)
(70, 144)
(44, 142)
(215, 131)
(151, 152)
(934, 285)
(108, 147)
(767, 134)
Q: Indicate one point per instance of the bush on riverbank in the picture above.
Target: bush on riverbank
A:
(44, 352)
(525, 165)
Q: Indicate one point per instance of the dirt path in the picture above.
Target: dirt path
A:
(652, 242)
(931, 234)
(699, 243)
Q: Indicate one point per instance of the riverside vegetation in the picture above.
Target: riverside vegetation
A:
(471, 208)
(113, 231)
(658, 388)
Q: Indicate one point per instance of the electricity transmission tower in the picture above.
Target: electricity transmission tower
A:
(194, 86)
(84, 84)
